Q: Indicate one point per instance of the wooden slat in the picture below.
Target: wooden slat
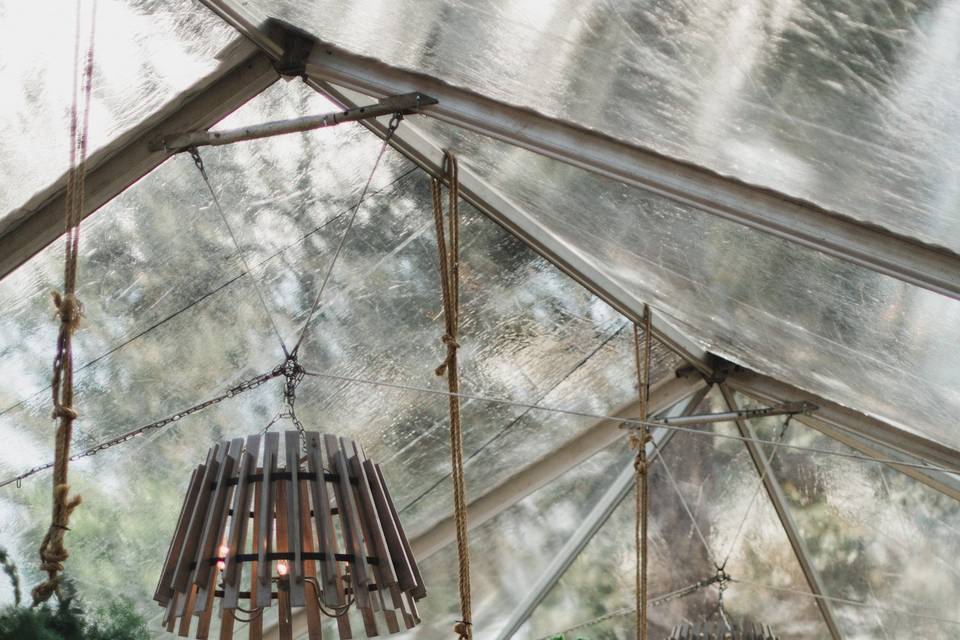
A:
(419, 591)
(226, 624)
(203, 625)
(407, 617)
(164, 588)
(292, 506)
(312, 592)
(284, 624)
(181, 577)
(343, 621)
(216, 521)
(233, 572)
(326, 534)
(170, 615)
(349, 525)
(398, 554)
(373, 529)
(185, 620)
(373, 536)
(412, 604)
(255, 627)
(264, 535)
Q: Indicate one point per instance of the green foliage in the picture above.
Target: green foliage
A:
(11, 570)
(119, 620)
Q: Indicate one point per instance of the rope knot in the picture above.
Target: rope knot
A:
(461, 629)
(452, 346)
(69, 309)
(60, 411)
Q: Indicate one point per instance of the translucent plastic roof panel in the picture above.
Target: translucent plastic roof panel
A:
(145, 53)
(885, 545)
(510, 551)
(838, 330)
(172, 318)
(853, 105)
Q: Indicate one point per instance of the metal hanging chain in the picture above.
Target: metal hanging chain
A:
(246, 385)
(52, 551)
(293, 373)
(641, 466)
(198, 161)
(391, 128)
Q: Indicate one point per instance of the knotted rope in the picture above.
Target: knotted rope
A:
(53, 553)
(449, 251)
(640, 464)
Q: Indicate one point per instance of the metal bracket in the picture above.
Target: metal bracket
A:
(785, 409)
(405, 104)
(297, 45)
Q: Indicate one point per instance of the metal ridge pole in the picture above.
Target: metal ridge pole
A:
(842, 236)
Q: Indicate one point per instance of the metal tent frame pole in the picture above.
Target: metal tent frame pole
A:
(779, 502)
(243, 74)
(932, 267)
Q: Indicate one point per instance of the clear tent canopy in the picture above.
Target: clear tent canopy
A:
(572, 122)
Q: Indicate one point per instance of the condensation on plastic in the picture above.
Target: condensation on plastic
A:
(876, 536)
(529, 334)
(841, 331)
(145, 54)
(850, 104)
(510, 551)
(718, 482)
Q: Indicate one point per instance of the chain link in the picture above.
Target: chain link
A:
(234, 391)
(293, 373)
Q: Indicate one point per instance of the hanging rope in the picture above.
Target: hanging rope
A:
(642, 353)
(53, 553)
(449, 252)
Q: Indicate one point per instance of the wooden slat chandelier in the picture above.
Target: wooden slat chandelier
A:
(253, 532)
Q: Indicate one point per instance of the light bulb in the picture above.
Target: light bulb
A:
(282, 568)
(221, 563)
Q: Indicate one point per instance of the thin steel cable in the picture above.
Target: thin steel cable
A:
(763, 476)
(391, 128)
(198, 161)
(666, 597)
(655, 601)
(516, 420)
(683, 503)
(855, 603)
(626, 421)
(631, 422)
(210, 293)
